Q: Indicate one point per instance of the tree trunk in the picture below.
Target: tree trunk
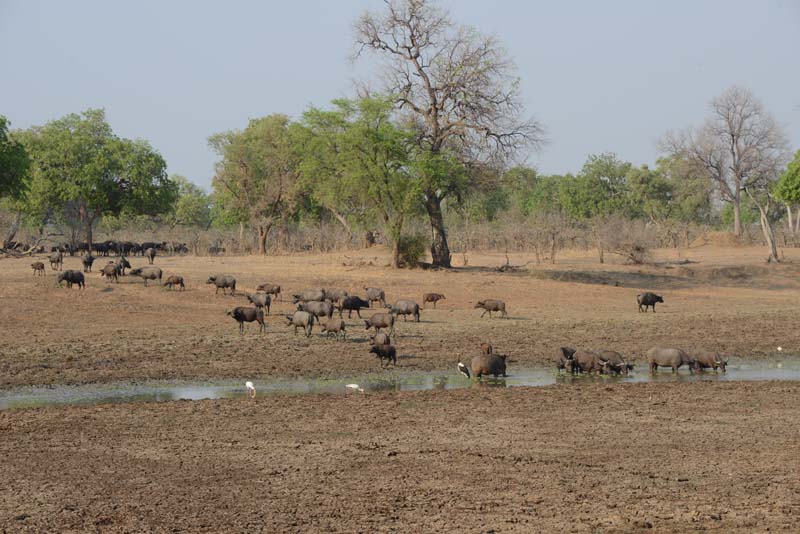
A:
(13, 230)
(769, 236)
(339, 217)
(440, 252)
(241, 236)
(789, 220)
(766, 228)
(396, 254)
(737, 215)
(263, 232)
(86, 223)
(797, 221)
(598, 243)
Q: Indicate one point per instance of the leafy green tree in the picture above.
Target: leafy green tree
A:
(545, 196)
(605, 175)
(192, 206)
(320, 139)
(357, 156)
(650, 194)
(583, 197)
(492, 193)
(14, 174)
(487, 205)
(787, 190)
(14, 163)
(690, 198)
(519, 182)
(599, 191)
(256, 177)
(77, 160)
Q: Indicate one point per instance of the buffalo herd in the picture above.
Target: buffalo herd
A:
(317, 307)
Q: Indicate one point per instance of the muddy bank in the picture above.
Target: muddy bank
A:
(597, 458)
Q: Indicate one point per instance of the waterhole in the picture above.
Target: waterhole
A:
(390, 380)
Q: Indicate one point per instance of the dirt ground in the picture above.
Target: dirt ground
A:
(730, 301)
(587, 457)
(678, 457)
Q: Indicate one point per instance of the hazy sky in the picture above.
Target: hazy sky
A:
(602, 76)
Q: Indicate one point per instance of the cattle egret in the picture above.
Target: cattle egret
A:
(355, 387)
(780, 349)
(463, 369)
(251, 389)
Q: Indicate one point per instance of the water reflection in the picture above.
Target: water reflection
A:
(397, 380)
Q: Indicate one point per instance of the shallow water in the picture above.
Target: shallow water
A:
(390, 380)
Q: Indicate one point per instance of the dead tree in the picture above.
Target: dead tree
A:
(738, 147)
(456, 86)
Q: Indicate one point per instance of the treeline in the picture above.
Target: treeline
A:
(356, 167)
(432, 151)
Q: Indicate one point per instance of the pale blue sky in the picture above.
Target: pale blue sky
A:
(602, 76)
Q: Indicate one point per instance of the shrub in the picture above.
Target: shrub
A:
(412, 249)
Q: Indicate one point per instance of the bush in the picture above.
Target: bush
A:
(412, 249)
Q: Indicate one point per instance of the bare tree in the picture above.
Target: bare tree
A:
(739, 148)
(456, 86)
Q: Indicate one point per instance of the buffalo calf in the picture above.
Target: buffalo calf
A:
(175, 280)
(431, 297)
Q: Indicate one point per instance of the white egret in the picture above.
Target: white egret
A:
(463, 369)
(251, 389)
(355, 387)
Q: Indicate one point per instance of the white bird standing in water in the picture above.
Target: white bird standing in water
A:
(463, 369)
(251, 389)
(355, 387)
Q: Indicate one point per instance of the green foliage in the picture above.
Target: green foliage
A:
(519, 183)
(750, 214)
(359, 164)
(442, 173)
(411, 249)
(690, 198)
(583, 197)
(486, 206)
(320, 139)
(788, 187)
(14, 163)
(78, 161)
(255, 177)
(650, 194)
(545, 196)
(192, 206)
(494, 193)
(608, 170)
(600, 189)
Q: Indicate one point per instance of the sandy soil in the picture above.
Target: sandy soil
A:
(680, 457)
(730, 301)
